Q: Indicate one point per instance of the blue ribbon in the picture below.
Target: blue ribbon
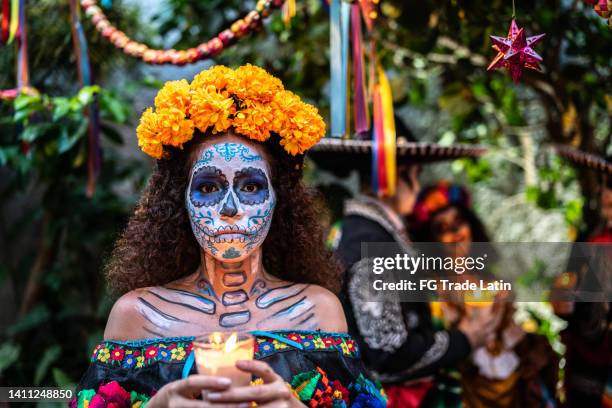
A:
(188, 364)
(375, 148)
(335, 59)
(345, 18)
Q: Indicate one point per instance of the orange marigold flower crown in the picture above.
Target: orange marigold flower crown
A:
(248, 99)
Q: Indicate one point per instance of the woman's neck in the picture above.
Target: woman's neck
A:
(230, 282)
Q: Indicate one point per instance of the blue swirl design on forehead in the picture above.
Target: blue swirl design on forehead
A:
(206, 157)
(229, 150)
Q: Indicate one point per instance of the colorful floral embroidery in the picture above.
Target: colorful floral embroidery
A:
(368, 394)
(138, 355)
(316, 390)
(109, 395)
(307, 340)
(130, 356)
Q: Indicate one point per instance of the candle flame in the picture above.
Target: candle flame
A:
(230, 344)
(216, 338)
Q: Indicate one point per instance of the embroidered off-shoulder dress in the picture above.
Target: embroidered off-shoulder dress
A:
(323, 369)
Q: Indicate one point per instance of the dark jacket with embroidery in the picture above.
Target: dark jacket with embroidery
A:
(397, 340)
(323, 369)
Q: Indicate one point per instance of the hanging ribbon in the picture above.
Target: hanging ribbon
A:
(288, 11)
(369, 13)
(23, 71)
(85, 79)
(389, 138)
(14, 24)
(360, 104)
(345, 19)
(378, 153)
(337, 109)
(6, 18)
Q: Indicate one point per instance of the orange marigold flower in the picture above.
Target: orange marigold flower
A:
(147, 135)
(211, 108)
(216, 76)
(174, 94)
(248, 99)
(174, 128)
(298, 124)
(251, 83)
(254, 121)
(164, 127)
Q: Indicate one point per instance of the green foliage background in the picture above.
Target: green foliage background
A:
(55, 238)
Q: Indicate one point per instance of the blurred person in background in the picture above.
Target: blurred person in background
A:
(399, 344)
(588, 339)
(514, 368)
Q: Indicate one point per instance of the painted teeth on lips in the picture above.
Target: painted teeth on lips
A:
(231, 230)
(229, 238)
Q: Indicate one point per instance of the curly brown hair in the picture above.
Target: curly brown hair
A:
(158, 245)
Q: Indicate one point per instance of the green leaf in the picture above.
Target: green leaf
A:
(9, 353)
(111, 134)
(67, 141)
(61, 378)
(22, 114)
(23, 100)
(117, 110)
(61, 107)
(7, 154)
(85, 95)
(532, 193)
(51, 354)
(38, 315)
(31, 133)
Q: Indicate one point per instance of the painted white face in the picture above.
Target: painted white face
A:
(230, 200)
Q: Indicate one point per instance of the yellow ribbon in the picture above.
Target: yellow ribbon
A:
(14, 21)
(289, 11)
(388, 131)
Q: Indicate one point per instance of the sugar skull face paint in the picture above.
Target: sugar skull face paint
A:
(230, 200)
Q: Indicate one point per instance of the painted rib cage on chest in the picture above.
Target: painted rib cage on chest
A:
(171, 311)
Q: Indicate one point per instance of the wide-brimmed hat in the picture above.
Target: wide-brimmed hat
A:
(585, 159)
(344, 155)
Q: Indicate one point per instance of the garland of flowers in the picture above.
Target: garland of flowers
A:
(237, 30)
(248, 99)
(603, 8)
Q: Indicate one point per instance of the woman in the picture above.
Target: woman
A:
(514, 368)
(226, 238)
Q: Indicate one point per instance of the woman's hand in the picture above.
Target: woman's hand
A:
(182, 393)
(273, 393)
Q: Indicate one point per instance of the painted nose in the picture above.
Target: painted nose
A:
(229, 207)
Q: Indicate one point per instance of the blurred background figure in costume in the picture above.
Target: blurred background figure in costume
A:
(399, 343)
(588, 369)
(226, 238)
(514, 368)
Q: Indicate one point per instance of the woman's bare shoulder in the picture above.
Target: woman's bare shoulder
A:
(329, 309)
(124, 321)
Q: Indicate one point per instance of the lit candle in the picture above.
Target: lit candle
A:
(477, 301)
(216, 354)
